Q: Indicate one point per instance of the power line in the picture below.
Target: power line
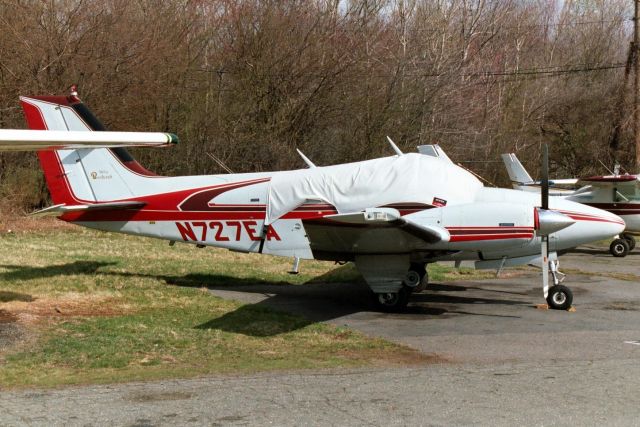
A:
(569, 24)
(551, 70)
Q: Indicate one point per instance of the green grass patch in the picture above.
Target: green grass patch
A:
(108, 308)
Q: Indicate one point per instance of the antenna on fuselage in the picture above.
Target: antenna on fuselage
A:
(394, 146)
(306, 159)
(219, 162)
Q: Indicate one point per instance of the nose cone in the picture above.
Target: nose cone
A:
(552, 221)
(591, 224)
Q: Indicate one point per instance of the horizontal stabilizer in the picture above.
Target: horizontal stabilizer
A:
(61, 209)
(391, 217)
(29, 140)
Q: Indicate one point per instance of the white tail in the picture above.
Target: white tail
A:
(83, 175)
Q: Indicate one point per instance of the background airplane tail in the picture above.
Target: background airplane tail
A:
(81, 175)
(517, 173)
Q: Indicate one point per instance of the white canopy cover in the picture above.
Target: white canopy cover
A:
(352, 187)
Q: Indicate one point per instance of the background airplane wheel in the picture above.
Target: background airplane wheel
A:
(392, 302)
(559, 297)
(630, 240)
(619, 248)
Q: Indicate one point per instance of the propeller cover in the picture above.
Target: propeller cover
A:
(551, 221)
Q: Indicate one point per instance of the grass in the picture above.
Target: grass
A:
(100, 308)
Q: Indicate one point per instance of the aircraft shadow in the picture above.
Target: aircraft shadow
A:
(320, 301)
(273, 308)
(8, 296)
(21, 272)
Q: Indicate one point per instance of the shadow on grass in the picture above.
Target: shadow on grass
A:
(24, 272)
(8, 296)
(276, 307)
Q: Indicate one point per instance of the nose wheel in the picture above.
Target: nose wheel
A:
(558, 297)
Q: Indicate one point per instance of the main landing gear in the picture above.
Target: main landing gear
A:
(621, 246)
(559, 297)
(415, 280)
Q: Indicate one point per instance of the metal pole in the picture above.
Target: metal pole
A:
(636, 83)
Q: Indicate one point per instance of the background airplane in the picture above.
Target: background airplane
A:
(618, 194)
(390, 216)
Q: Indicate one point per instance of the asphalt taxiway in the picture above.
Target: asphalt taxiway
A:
(502, 361)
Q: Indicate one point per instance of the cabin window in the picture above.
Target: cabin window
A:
(625, 193)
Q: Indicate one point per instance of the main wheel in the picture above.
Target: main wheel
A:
(423, 283)
(630, 240)
(559, 297)
(619, 248)
(423, 280)
(393, 301)
(412, 279)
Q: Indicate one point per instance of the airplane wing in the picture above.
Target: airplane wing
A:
(392, 218)
(375, 231)
(609, 180)
(61, 209)
(29, 140)
(562, 181)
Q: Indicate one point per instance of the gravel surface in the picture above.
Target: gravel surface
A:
(554, 393)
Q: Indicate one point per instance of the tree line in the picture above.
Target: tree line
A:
(248, 82)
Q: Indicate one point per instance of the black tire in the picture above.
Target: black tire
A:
(630, 240)
(559, 297)
(393, 302)
(423, 283)
(419, 268)
(412, 279)
(619, 248)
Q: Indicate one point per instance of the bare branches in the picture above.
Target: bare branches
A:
(251, 81)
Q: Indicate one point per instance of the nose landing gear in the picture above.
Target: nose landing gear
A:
(559, 297)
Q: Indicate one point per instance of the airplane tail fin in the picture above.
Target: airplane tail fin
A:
(518, 175)
(88, 174)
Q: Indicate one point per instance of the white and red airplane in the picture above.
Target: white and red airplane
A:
(390, 216)
(618, 194)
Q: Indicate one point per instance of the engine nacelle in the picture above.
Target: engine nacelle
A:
(481, 225)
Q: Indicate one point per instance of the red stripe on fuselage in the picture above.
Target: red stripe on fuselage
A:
(481, 237)
(578, 216)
